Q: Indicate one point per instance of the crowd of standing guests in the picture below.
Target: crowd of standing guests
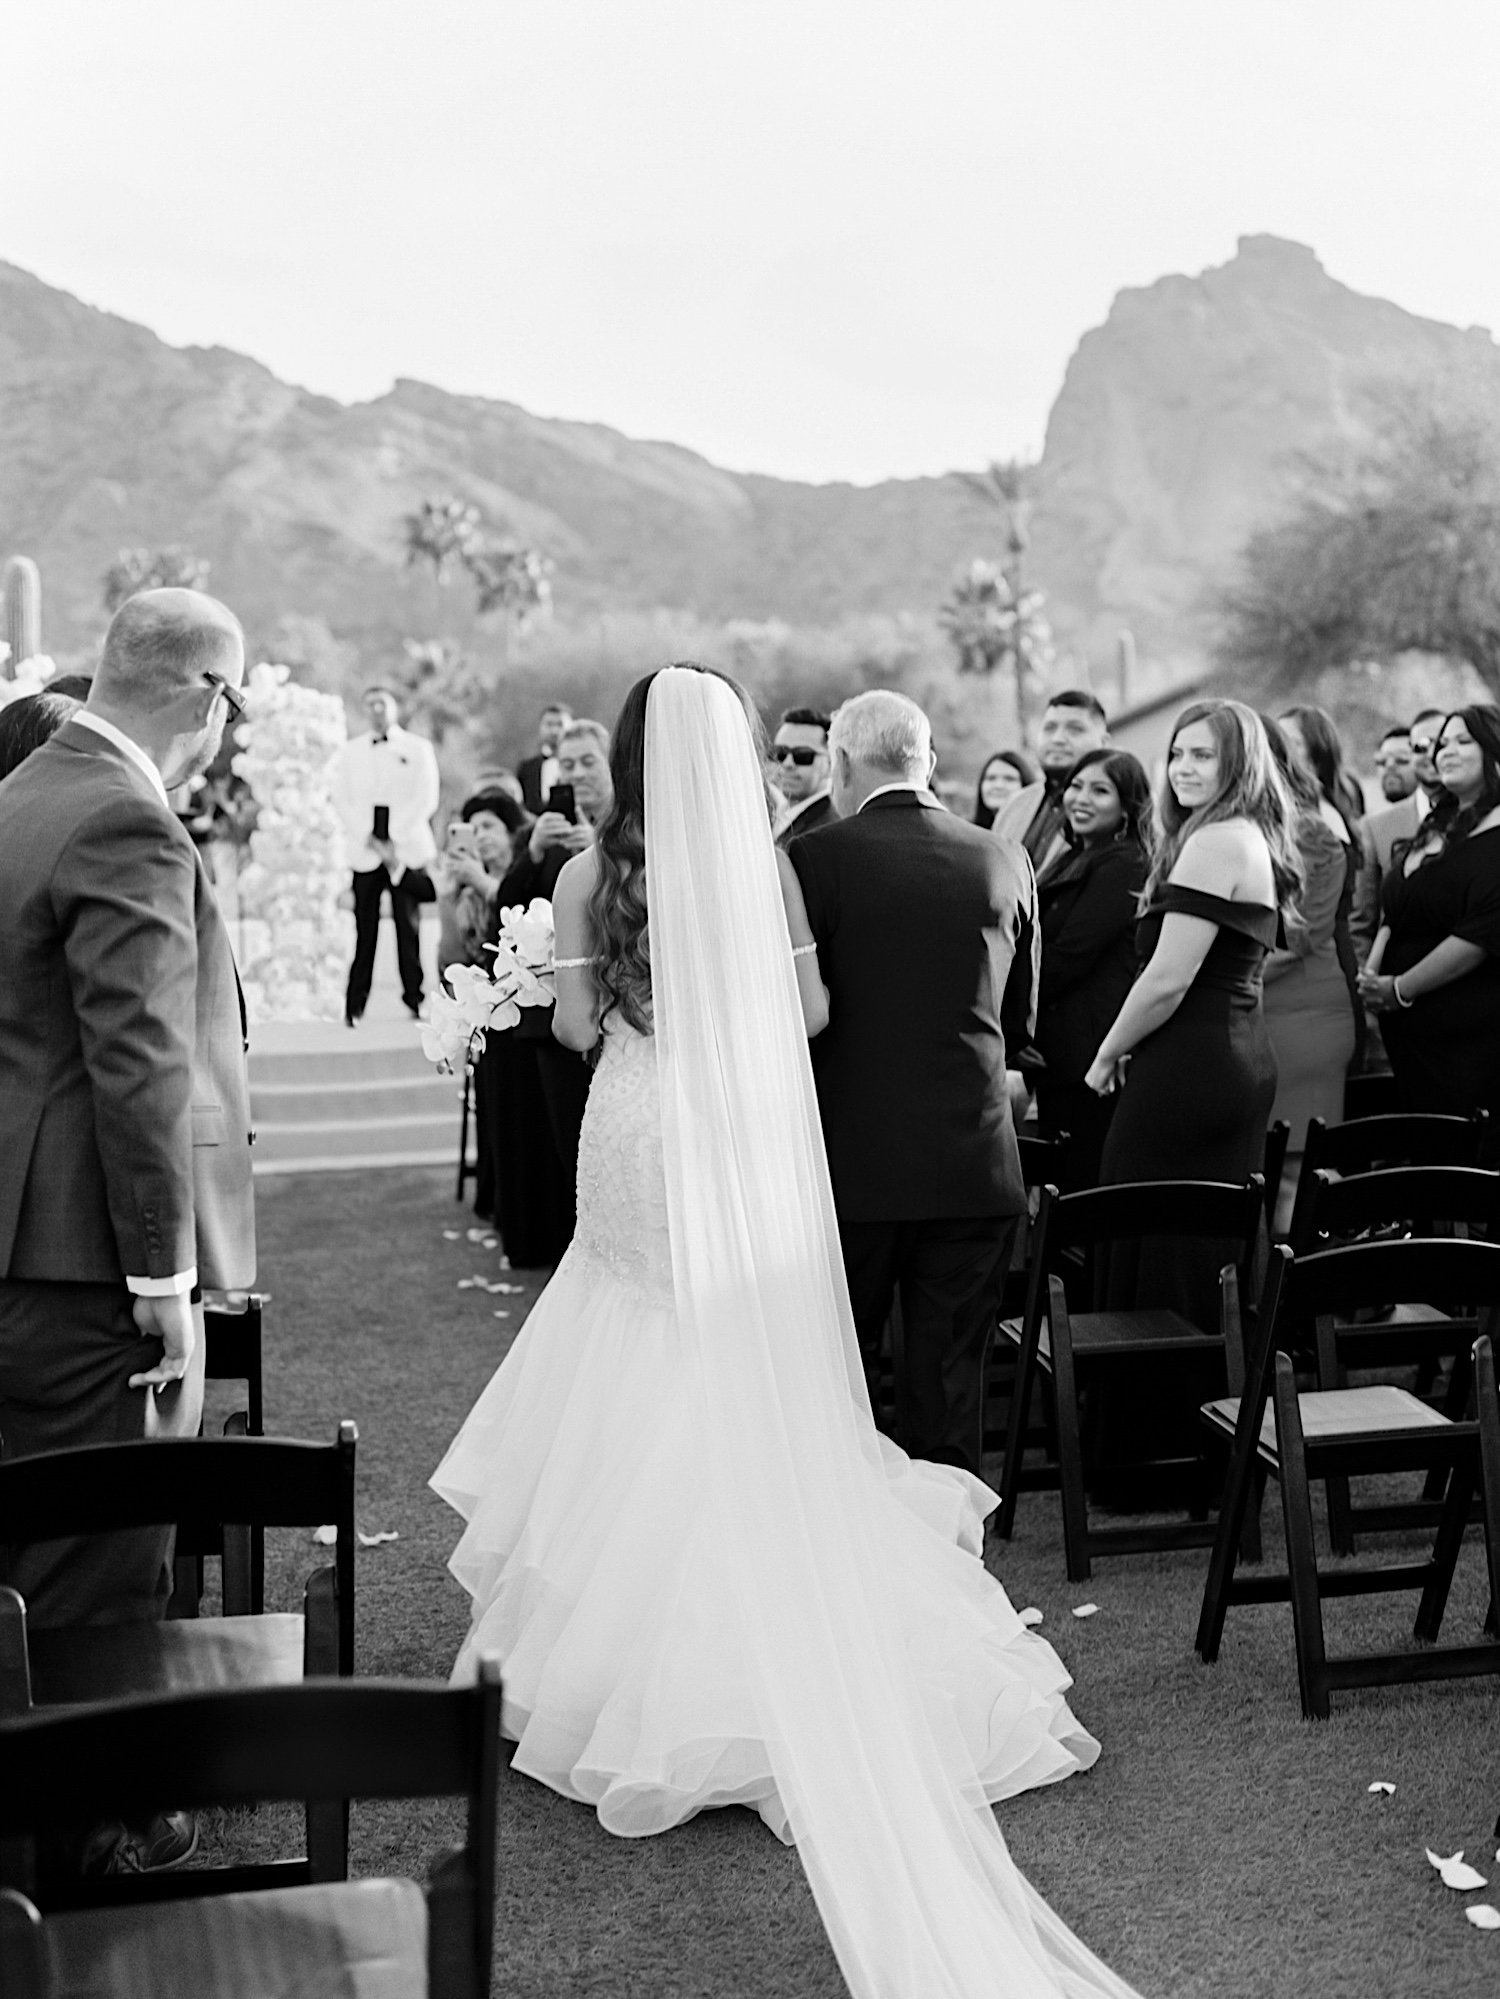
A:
(1215, 956)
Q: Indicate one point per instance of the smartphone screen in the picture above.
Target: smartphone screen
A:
(560, 799)
(381, 829)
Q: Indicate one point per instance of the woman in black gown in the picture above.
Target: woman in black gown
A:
(1086, 903)
(1433, 975)
(1189, 1051)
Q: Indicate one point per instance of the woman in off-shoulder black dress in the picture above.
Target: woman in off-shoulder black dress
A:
(1189, 1051)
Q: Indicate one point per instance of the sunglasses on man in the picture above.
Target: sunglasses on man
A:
(785, 753)
(234, 701)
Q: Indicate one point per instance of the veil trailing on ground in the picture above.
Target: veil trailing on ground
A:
(912, 1877)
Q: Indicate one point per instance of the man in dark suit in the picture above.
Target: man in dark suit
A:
(539, 772)
(927, 943)
(124, 1143)
(800, 754)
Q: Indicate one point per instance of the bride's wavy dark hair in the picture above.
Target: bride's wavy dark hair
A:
(617, 902)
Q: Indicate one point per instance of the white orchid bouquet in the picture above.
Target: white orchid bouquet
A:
(482, 1002)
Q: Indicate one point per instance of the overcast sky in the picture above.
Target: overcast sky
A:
(823, 238)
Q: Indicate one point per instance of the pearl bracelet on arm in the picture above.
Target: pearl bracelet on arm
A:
(803, 950)
(569, 964)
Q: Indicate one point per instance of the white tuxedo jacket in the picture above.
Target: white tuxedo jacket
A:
(401, 774)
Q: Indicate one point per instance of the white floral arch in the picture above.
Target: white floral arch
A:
(295, 939)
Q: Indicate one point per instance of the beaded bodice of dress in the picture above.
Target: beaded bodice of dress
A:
(622, 1191)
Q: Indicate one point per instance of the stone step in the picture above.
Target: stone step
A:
(353, 1099)
(335, 1143)
(374, 1061)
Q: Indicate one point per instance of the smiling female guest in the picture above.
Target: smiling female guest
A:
(1190, 1044)
(1004, 774)
(1434, 973)
(1088, 915)
(1310, 1009)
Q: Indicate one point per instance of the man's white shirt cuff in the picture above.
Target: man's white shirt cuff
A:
(177, 1286)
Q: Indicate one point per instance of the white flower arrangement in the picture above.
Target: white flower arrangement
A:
(483, 1002)
(29, 677)
(295, 940)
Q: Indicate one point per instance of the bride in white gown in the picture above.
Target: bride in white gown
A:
(708, 1578)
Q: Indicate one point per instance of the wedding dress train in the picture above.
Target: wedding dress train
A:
(601, 1574)
(708, 1579)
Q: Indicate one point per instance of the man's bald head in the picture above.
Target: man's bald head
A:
(160, 642)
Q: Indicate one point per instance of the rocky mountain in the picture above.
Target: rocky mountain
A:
(1174, 434)
(1184, 421)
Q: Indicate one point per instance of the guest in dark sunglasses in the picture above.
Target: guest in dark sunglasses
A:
(799, 757)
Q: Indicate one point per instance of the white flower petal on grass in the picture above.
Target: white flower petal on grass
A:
(376, 1540)
(475, 1235)
(452, 1235)
(1456, 1871)
(469, 1283)
(1483, 1915)
(502, 1315)
(1382, 1789)
(1031, 1615)
(1085, 1610)
(326, 1537)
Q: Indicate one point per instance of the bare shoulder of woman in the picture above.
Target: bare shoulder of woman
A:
(1226, 859)
(575, 879)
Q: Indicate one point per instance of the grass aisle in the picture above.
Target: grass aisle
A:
(1221, 1846)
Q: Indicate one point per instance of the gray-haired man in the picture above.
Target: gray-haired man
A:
(927, 943)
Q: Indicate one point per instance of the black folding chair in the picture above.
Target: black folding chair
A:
(1348, 1432)
(468, 1169)
(329, 1743)
(1041, 1163)
(1371, 1096)
(1363, 1145)
(223, 1484)
(231, 1352)
(1273, 1167)
(1053, 1340)
(1394, 1203)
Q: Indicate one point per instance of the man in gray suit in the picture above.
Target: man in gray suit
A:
(125, 1130)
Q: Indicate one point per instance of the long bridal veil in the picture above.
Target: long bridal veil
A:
(912, 1877)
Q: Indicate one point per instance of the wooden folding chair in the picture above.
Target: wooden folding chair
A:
(1053, 1340)
(1371, 1096)
(1273, 1166)
(331, 1743)
(1344, 1432)
(1396, 1202)
(468, 1169)
(215, 1484)
(210, 1482)
(1363, 1145)
(1041, 1163)
(231, 1352)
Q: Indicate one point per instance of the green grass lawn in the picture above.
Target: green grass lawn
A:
(1221, 1846)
